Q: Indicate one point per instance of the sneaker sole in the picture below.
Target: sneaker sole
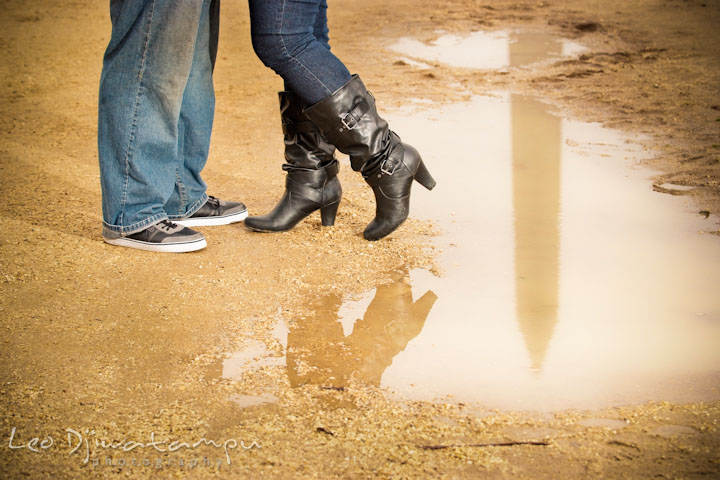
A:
(176, 247)
(212, 221)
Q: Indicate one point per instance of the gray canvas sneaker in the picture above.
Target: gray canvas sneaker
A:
(165, 236)
(215, 212)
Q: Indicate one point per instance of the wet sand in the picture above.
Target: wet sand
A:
(122, 345)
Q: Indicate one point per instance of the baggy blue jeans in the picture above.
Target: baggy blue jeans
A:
(156, 110)
(291, 37)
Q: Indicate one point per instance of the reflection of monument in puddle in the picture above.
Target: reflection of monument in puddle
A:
(318, 352)
(536, 151)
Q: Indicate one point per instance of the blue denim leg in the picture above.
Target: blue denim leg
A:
(291, 37)
(320, 28)
(194, 129)
(146, 69)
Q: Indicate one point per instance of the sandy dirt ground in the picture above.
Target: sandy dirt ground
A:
(120, 345)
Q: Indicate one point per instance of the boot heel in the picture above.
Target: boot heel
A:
(423, 177)
(327, 214)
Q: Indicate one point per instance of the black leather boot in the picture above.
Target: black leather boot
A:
(349, 120)
(311, 167)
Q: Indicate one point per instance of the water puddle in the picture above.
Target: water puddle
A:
(567, 281)
(487, 50)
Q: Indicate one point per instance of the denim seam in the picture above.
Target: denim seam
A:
(293, 57)
(181, 188)
(133, 128)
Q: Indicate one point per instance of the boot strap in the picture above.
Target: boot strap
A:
(333, 169)
(388, 166)
(299, 181)
(302, 175)
(298, 127)
(350, 120)
(314, 194)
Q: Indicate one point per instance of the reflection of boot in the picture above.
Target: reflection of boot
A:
(349, 120)
(318, 352)
(391, 321)
(424, 304)
(311, 181)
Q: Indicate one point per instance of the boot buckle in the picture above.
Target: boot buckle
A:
(355, 114)
(344, 121)
(385, 170)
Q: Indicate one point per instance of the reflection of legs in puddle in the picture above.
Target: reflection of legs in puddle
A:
(318, 351)
(391, 321)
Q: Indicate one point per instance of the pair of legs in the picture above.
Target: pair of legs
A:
(156, 110)
(327, 107)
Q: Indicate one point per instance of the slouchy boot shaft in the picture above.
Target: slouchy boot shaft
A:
(349, 120)
(311, 167)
